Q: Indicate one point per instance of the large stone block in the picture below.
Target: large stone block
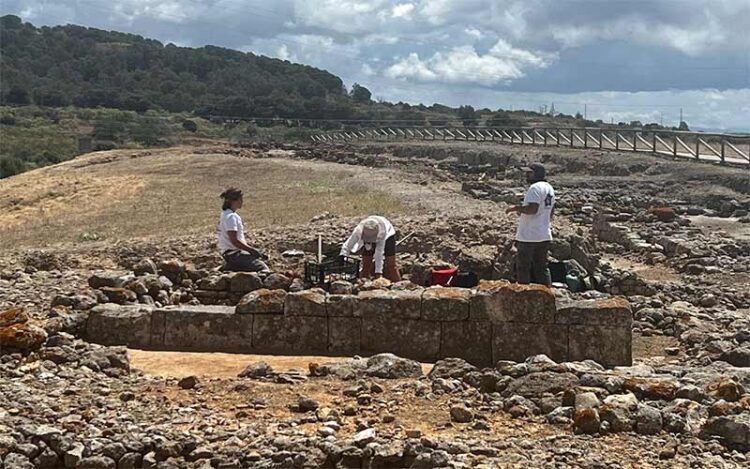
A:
(609, 346)
(470, 340)
(158, 329)
(502, 301)
(391, 303)
(409, 338)
(516, 341)
(306, 303)
(343, 306)
(344, 336)
(612, 312)
(114, 279)
(110, 324)
(445, 304)
(263, 301)
(207, 329)
(245, 282)
(303, 335)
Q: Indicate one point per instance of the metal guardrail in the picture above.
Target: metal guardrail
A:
(711, 147)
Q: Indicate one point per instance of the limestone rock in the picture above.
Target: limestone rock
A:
(263, 301)
(648, 420)
(244, 282)
(390, 366)
(256, 370)
(445, 304)
(188, 382)
(277, 281)
(341, 287)
(13, 316)
(501, 301)
(22, 337)
(113, 279)
(145, 266)
(119, 295)
(586, 421)
(461, 414)
(451, 368)
(306, 303)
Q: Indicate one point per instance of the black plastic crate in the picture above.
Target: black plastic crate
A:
(331, 269)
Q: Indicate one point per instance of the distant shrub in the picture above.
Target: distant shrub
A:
(10, 166)
(90, 235)
(189, 125)
(7, 120)
(103, 145)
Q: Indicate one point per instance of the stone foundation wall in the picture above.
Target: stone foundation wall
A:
(497, 321)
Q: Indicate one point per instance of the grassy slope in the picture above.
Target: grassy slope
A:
(137, 193)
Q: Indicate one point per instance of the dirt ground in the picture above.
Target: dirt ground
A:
(220, 365)
(725, 225)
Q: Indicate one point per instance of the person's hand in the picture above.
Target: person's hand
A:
(511, 209)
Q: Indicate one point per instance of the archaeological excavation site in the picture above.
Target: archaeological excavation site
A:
(127, 341)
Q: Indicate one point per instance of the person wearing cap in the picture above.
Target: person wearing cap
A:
(534, 232)
(237, 254)
(376, 237)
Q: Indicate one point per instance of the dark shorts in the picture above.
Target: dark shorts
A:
(390, 248)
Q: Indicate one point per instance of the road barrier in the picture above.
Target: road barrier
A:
(721, 148)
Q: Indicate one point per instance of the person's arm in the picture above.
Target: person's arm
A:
(552, 212)
(379, 258)
(531, 201)
(528, 209)
(242, 246)
(348, 246)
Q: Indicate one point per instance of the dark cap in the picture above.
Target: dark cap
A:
(537, 169)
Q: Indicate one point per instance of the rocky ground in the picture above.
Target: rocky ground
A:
(632, 225)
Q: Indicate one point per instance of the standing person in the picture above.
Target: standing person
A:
(238, 255)
(377, 237)
(534, 227)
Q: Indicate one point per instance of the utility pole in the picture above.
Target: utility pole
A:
(585, 111)
(661, 114)
(680, 115)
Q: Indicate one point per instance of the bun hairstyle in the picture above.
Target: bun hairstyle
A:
(230, 195)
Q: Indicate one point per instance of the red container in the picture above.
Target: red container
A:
(442, 276)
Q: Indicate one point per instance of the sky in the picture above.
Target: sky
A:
(615, 60)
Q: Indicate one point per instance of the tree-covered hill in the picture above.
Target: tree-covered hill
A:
(87, 67)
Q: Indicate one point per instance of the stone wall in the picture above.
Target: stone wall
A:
(497, 321)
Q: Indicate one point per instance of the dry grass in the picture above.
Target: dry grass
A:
(136, 193)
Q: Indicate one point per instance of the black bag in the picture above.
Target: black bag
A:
(557, 271)
(465, 280)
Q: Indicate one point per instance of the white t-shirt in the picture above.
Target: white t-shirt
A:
(229, 221)
(536, 228)
(355, 243)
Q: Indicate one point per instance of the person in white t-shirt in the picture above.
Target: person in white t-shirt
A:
(376, 237)
(237, 254)
(534, 232)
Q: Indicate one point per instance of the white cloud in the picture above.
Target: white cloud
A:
(402, 10)
(474, 33)
(501, 64)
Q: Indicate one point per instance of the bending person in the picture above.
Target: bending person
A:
(376, 237)
(237, 254)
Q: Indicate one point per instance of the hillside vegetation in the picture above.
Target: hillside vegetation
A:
(121, 90)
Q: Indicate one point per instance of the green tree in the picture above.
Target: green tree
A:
(10, 166)
(360, 94)
(467, 115)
